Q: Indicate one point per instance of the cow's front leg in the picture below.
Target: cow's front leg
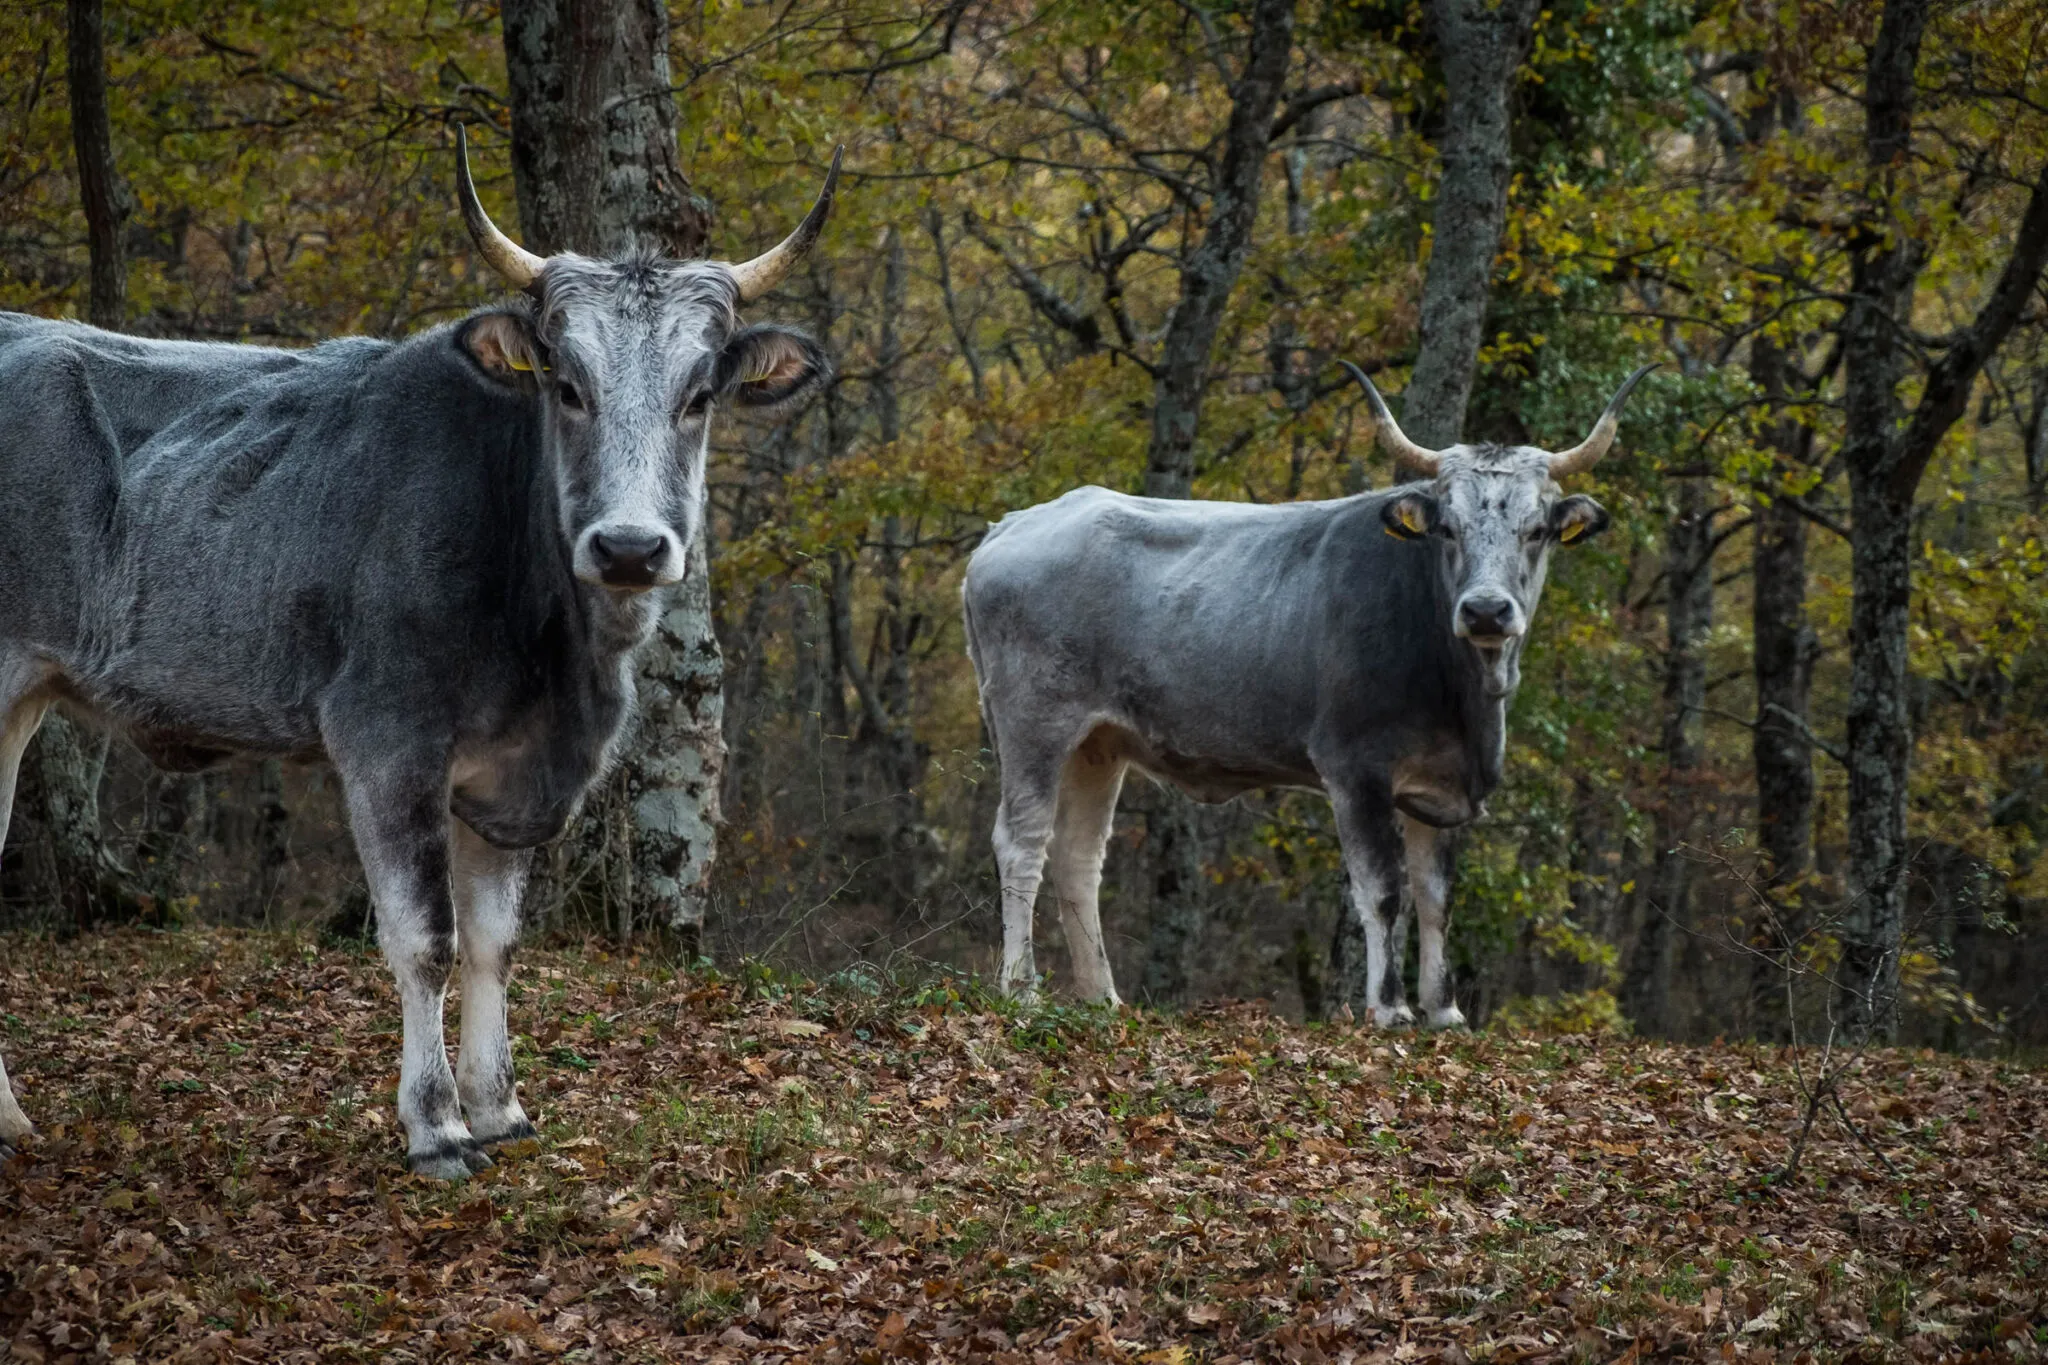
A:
(1372, 856)
(488, 884)
(1430, 853)
(399, 814)
(19, 719)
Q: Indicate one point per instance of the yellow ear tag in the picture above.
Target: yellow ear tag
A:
(516, 363)
(1411, 517)
(1571, 533)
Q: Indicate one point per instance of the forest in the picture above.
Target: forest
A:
(1775, 768)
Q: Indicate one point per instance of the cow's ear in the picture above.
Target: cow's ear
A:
(503, 345)
(1575, 518)
(1410, 516)
(763, 366)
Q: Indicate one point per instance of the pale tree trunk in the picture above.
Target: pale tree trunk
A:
(596, 170)
(1207, 276)
(594, 130)
(1689, 620)
(1886, 449)
(1480, 46)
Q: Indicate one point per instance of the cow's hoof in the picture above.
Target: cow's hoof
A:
(8, 1151)
(456, 1159)
(1449, 1017)
(520, 1130)
(1399, 1016)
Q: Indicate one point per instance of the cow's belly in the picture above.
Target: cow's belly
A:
(1211, 778)
(190, 729)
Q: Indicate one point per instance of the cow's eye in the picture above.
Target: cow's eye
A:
(571, 396)
(699, 405)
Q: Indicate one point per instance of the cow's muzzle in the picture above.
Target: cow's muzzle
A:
(629, 558)
(1488, 621)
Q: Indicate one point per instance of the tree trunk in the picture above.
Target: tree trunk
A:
(1689, 620)
(1880, 748)
(1480, 45)
(1784, 647)
(1179, 909)
(273, 842)
(1886, 451)
(78, 874)
(594, 157)
(99, 184)
(596, 171)
(1210, 271)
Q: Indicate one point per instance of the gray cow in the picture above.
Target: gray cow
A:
(1224, 647)
(428, 561)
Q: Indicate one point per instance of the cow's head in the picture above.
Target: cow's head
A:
(1492, 514)
(629, 359)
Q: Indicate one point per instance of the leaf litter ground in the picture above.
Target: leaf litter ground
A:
(746, 1168)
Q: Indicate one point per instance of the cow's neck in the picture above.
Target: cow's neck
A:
(1483, 709)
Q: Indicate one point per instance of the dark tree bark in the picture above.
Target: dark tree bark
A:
(895, 758)
(1689, 620)
(1210, 271)
(2034, 432)
(273, 842)
(1784, 647)
(596, 171)
(1480, 46)
(100, 188)
(1886, 449)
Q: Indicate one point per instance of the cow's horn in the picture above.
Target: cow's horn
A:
(1582, 456)
(1419, 458)
(764, 272)
(520, 267)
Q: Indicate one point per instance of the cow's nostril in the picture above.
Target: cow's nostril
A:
(628, 558)
(1486, 615)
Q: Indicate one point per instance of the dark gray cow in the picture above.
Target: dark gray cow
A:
(1224, 647)
(429, 561)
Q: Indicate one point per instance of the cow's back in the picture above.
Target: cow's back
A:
(80, 403)
(1194, 624)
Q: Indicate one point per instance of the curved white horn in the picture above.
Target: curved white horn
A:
(1419, 458)
(764, 272)
(520, 267)
(1582, 456)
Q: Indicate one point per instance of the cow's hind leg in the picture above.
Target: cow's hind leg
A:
(488, 883)
(1087, 809)
(1024, 825)
(19, 719)
(398, 810)
(1430, 851)
(1372, 855)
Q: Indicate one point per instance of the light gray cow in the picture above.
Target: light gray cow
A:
(1224, 647)
(429, 561)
